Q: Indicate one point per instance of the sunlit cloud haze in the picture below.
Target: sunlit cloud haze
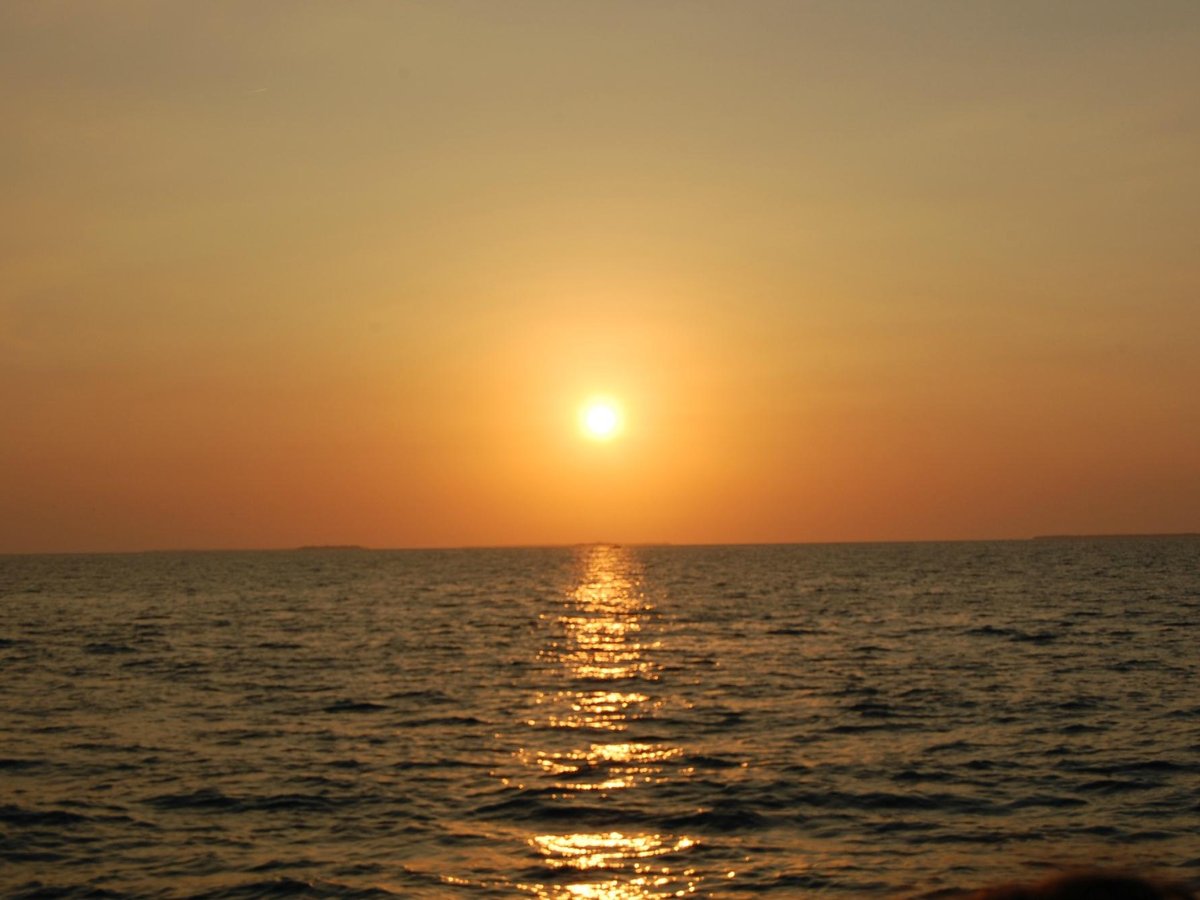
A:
(281, 274)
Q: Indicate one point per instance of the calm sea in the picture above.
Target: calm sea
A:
(597, 722)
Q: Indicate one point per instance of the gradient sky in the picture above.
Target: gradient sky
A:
(281, 273)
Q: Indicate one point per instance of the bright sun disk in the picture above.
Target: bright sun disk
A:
(600, 419)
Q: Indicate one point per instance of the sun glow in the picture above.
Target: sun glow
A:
(600, 419)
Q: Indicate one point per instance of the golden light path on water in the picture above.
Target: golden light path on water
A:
(605, 656)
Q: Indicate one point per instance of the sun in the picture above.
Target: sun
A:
(600, 419)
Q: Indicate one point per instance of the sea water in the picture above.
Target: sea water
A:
(598, 721)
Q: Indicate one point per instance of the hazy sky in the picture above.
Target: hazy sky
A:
(281, 273)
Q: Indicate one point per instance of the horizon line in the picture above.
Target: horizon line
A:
(418, 548)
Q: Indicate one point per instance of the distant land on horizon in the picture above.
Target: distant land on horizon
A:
(1115, 537)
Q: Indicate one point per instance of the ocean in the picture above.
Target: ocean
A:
(892, 720)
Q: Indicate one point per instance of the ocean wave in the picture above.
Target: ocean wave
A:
(21, 817)
(105, 648)
(36, 890)
(355, 706)
(214, 800)
(724, 818)
(19, 765)
(271, 889)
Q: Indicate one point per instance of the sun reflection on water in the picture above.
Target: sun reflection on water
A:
(600, 851)
(612, 766)
(604, 656)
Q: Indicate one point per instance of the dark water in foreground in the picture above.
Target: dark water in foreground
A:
(598, 722)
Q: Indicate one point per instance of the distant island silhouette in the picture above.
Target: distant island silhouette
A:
(332, 547)
(1113, 537)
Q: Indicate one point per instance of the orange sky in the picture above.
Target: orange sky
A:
(279, 274)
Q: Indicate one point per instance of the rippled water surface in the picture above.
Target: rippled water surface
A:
(597, 722)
